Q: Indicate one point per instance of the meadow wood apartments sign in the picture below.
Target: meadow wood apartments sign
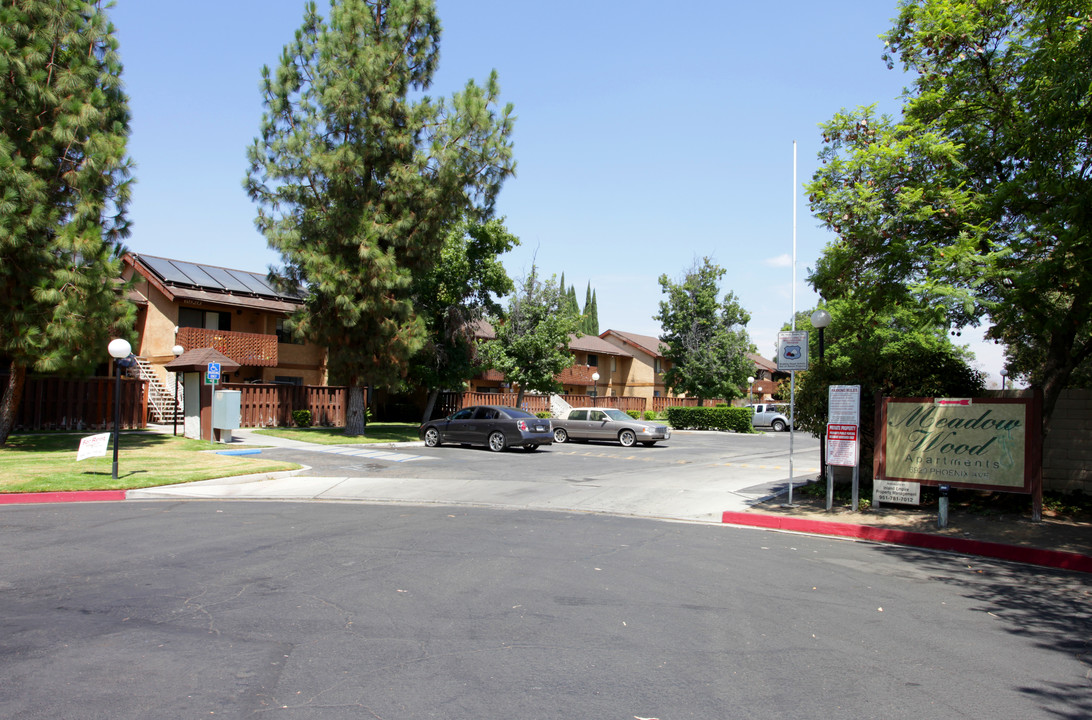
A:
(982, 443)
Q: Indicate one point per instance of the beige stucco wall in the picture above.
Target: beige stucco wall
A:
(636, 376)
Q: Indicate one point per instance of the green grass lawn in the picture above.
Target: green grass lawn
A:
(376, 432)
(47, 463)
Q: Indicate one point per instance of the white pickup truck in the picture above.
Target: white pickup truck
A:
(771, 415)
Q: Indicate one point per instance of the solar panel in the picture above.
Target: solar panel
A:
(255, 282)
(226, 279)
(166, 270)
(197, 274)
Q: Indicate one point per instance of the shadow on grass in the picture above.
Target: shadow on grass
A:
(64, 442)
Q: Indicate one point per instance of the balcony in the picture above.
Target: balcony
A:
(247, 349)
(578, 375)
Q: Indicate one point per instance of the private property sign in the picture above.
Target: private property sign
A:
(983, 443)
(842, 445)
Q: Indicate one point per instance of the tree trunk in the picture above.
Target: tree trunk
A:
(356, 414)
(433, 394)
(13, 395)
(519, 397)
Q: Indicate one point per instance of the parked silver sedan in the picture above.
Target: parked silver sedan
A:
(495, 426)
(608, 424)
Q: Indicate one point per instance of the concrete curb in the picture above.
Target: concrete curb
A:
(60, 497)
(997, 551)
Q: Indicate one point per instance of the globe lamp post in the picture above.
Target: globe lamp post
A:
(595, 388)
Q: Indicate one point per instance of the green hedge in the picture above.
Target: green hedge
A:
(707, 418)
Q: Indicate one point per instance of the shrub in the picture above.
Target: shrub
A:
(302, 418)
(649, 415)
(705, 418)
(635, 414)
(543, 415)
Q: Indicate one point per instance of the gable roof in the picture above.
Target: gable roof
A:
(595, 344)
(181, 280)
(647, 343)
(762, 363)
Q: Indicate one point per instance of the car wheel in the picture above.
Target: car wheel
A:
(649, 444)
(496, 441)
(531, 447)
(627, 438)
(432, 437)
(560, 435)
(778, 425)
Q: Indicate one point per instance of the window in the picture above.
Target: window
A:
(285, 337)
(463, 414)
(288, 380)
(207, 319)
(485, 413)
(593, 360)
(613, 364)
(596, 416)
(659, 366)
(578, 415)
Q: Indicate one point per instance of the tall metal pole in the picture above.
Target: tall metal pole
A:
(792, 373)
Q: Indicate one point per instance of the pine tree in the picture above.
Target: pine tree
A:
(357, 184)
(64, 187)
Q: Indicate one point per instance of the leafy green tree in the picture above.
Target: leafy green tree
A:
(64, 188)
(358, 177)
(706, 337)
(532, 343)
(975, 200)
(458, 291)
(903, 351)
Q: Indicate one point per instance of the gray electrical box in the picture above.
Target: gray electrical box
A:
(227, 409)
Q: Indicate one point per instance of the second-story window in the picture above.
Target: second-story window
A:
(659, 366)
(207, 319)
(283, 336)
(593, 360)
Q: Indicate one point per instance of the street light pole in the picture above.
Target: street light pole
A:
(1004, 377)
(120, 350)
(595, 389)
(750, 390)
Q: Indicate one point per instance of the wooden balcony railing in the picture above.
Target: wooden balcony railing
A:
(579, 375)
(247, 349)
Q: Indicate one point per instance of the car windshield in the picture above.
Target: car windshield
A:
(615, 414)
(516, 413)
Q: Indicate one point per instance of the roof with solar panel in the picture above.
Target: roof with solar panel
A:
(179, 279)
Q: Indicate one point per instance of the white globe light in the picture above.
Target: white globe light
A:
(595, 377)
(820, 318)
(119, 348)
(178, 350)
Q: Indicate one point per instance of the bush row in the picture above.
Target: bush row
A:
(707, 418)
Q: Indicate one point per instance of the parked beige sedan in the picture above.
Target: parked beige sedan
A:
(608, 424)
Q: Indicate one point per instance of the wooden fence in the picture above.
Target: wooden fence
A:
(51, 403)
(271, 405)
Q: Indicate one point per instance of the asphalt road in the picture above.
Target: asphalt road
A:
(168, 609)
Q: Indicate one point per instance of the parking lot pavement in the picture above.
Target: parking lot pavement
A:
(695, 478)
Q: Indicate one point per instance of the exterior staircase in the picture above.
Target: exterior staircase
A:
(558, 407)
(160, 396)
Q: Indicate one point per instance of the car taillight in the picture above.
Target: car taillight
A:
(522, 425)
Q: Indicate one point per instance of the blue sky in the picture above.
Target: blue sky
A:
(648, 136)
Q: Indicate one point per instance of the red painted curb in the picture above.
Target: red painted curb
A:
(999, 551)
(59, 497)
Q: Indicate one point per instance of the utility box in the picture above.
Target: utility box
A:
(227, 411)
